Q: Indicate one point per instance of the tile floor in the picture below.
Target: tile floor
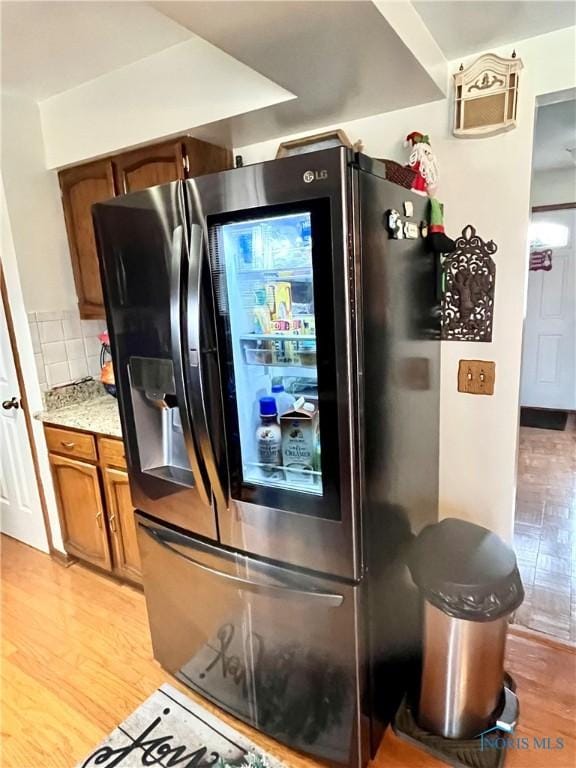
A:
(545, 529)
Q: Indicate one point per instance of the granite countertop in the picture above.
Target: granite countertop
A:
(85, 406)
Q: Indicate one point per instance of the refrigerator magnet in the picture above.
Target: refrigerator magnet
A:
(423, 229)
(411, 231)
(394, 224)
(408, 208)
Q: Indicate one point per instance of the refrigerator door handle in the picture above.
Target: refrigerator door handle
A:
(331, 600)
(195, 362)
(178, 243)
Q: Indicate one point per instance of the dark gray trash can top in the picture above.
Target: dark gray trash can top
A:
(466, 571)
(470, 581)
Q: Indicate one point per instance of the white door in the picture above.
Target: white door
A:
(549, 348)
(20, 507)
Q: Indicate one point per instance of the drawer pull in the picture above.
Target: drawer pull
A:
(67, 445)
(99, 519)
(112, 520)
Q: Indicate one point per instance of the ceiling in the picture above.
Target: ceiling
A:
(336, 57)
(349, 46)
(50, 47)
(555, 133)
(352, 50)
(462, 27)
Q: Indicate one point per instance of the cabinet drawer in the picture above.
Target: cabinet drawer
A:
(71, 443)
(112, 452)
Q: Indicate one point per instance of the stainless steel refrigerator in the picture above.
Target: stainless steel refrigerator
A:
(273, 546)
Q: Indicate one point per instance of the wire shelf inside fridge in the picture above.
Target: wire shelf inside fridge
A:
(301, 480)
(280, 273)
(276, 337)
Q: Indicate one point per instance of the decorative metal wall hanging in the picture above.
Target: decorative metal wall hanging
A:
(486, 96)
(541, 261)
(469, 276)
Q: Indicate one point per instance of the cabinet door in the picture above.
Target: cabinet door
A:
(148, 167)
(82, 187)
(81, 510)
(201, 158)
(122, 524)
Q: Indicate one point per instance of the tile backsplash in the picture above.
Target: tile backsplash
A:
(65, 347)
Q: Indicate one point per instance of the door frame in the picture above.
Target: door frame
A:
(25, 406)
(21, 347)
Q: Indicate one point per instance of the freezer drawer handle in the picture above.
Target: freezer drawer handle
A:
(331, 600)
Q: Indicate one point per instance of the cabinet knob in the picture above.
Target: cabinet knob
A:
(112, 520)
(99, 519)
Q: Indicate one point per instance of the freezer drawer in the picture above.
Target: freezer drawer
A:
(276, 648)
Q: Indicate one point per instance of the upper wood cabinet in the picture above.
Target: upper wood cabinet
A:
(148, 167)
(84, 185)
(201, 158)
(81, 188)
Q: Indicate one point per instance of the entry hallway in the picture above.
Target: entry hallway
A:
(76, 660)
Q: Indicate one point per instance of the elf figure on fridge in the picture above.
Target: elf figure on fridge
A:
(423, 161)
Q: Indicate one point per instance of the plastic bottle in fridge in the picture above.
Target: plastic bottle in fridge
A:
(269, 437)
(284, 400)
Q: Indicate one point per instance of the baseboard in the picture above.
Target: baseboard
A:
(540, 637)
(63, 558)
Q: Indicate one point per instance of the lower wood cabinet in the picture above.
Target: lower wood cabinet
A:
(122, 524)
(81, 509)
(96, 511)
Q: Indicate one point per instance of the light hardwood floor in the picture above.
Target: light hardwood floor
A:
(545, 529)
(76, 660)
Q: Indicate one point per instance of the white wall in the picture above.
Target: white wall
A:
(484, 182)
(35, 210)
(27, 363)
(555, 186)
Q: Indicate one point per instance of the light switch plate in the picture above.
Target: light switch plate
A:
(476, 377)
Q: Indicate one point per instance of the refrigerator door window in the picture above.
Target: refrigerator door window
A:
(274, 300)
(256, 639)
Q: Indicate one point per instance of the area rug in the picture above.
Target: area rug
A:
(169, 729)
(543, 418)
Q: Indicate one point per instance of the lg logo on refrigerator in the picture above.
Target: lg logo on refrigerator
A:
(314, 176)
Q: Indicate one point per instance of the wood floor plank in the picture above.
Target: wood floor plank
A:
(34, 717)
(77, 659)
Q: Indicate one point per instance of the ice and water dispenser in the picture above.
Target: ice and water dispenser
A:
(159, 434)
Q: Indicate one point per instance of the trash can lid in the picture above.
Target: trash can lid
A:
(466, 570)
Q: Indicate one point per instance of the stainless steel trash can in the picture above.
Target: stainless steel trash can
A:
(470, 583)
